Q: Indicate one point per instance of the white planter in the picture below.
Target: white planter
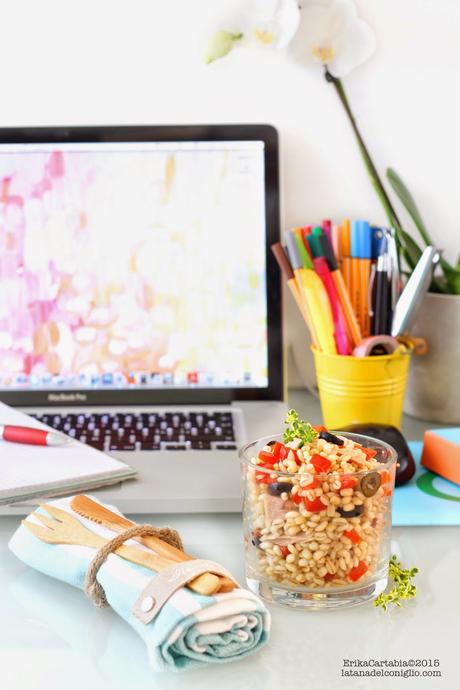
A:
(433, 390)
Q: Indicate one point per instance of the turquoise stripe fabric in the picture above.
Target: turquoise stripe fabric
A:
(174, 639)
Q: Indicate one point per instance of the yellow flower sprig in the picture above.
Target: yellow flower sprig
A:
(403, 586)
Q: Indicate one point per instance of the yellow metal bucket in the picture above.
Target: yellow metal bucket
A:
(362, 389)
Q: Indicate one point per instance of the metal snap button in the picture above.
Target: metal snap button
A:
(147, 604)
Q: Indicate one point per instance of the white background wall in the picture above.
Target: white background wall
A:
(139, 61)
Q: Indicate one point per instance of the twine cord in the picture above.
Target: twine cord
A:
(93, 589)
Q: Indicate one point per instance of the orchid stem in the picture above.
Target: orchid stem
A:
(368, 162)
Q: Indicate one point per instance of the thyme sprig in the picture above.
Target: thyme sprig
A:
(403, 586)
(298, 429)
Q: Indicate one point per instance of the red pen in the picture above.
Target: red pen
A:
(340, 327)
(31, 436)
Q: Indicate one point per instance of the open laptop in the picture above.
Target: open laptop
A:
(140, 304)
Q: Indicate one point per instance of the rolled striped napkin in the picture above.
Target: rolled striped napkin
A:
(190, 629)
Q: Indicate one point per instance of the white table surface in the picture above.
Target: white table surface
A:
(41, 649)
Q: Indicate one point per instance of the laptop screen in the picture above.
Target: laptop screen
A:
(133, 265)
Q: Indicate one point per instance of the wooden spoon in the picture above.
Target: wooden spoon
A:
(91, 510)
(65, 529)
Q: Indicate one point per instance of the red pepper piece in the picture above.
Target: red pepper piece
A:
(283, 452)
(329, 576)
(385, 476)
(276, 450)
(356, 573)
(267, 458)
(284, 551)
(387, 491)
(296, 499)
(320, 464)
(314, 506)
(347, 482)
(263, 478)
(369, 452)
(296, 457)
(319, 428)
(352, 535)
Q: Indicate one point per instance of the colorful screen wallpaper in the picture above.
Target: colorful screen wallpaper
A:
(132, 265)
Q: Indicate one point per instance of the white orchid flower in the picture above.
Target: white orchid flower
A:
(262, 22)
(336, 37)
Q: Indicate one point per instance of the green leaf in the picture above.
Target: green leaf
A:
(412, 251)
(453, 282)
(220, 45)
(409, 204)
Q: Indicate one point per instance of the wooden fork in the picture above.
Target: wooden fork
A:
(91, 510)
(65, 529)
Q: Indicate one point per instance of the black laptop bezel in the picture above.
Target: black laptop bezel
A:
(161, 396)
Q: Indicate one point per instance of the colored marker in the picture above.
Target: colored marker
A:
(304, 253)
(353, 330)
(346, 253)
(340, 329)
(337, 244)
(320, 245)
(361, 252)
(316, 299)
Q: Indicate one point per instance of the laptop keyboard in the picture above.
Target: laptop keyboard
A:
(147, 431)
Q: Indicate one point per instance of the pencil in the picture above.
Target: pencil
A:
(288, 273)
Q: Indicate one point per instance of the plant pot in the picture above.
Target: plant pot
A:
(433, 390)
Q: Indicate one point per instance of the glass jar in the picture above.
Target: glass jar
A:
(321, 544)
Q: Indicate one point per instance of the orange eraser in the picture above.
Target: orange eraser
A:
(441, 453)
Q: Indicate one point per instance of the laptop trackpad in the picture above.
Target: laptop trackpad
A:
(171, 477)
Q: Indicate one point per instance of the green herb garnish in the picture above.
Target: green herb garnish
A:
(298, 429)
(403, 586)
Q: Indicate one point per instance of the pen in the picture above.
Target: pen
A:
(394, 267)
(302, 247)
(345, 251)
(326, 226)
(295, 261)
(337, 244)
(381, 296)
(378, 242)
(354, 332)
(361, 252)
(318, 243)
(340, 329)
(31, 436)
(304, 232)
(316, 298)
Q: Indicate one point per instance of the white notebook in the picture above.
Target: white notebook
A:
(28, 471)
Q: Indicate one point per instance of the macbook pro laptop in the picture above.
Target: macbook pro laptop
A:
(140, 304)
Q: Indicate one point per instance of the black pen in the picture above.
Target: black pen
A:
(381, 301)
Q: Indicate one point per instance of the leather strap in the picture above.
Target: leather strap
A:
(160, 588)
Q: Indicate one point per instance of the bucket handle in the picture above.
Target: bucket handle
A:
(410, 343)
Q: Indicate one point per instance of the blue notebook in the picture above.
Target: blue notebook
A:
(427, 499)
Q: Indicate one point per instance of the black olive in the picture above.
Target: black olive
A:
(277, 488)
(357, 510)
(270, 443)
(370, 483)
(255, 541)
(330, 438)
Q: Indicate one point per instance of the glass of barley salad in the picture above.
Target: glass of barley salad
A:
(317, 516)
